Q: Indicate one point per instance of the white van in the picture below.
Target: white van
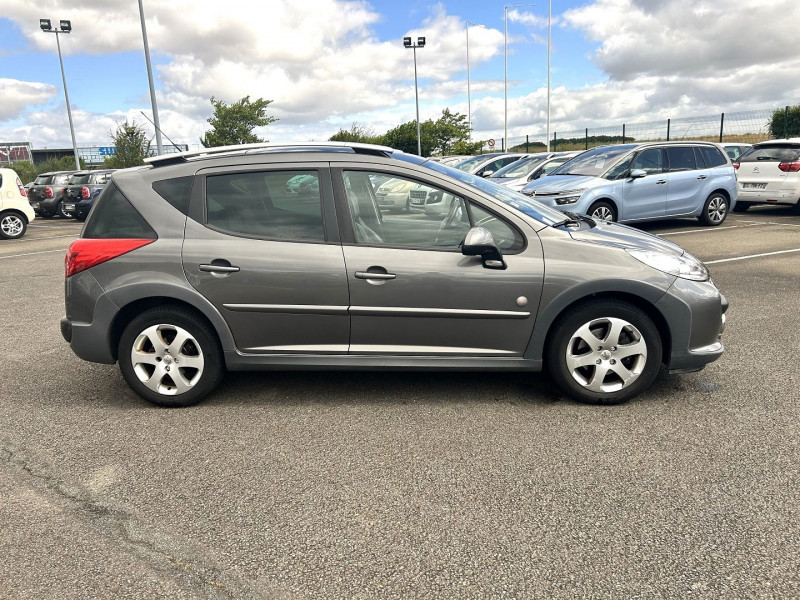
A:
(15, 211)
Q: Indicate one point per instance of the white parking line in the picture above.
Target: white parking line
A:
(31, 253)
(723, 260)
(698, 230)
(49, 237)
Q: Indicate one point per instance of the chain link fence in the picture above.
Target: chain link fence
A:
(745, 126)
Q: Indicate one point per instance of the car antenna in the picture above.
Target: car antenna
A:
(161, 130)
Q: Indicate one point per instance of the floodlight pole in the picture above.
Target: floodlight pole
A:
(469, 100)
(420, 44)
(505, 78)
(150, 80)
(64, 81)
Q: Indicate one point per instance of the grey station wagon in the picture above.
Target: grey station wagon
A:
(208, 261)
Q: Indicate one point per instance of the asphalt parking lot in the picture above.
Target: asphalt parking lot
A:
(406, 485)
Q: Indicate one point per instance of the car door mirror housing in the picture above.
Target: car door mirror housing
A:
(638, 174)
(487, 173)
(480, 242)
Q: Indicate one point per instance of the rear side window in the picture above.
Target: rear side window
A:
(115, 217)
(773, 152)
(175, 191)
(681, 159)
(283, 205)
(712, 156)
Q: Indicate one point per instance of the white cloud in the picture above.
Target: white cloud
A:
(15, 95)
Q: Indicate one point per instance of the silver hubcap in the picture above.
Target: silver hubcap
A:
(11, 225)
(603, 212)
(606, 355)
(167, 359)
(717, 209)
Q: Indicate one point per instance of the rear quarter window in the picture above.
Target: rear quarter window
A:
(175, 191)
(712, 156)
(113, 216)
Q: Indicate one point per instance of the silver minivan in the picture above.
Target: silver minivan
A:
(203, 262)
(643, 182)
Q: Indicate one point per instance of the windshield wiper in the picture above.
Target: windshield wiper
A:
(574, 219)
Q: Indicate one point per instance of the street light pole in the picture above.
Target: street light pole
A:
(549, 13)
(505, 78)
(65, 27)
(420, 44)
(469, 100)
(150, 80)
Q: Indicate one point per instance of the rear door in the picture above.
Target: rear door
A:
(268, 256)
(685, 181)
(412, 292)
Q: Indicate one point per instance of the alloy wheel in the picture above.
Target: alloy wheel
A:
(167, 359)
(11, 226)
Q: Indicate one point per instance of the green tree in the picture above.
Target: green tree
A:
(234, 124)
(65, 163)
(449, 129)
(404, 137)
(132, 146)
(785, 122)
(357, 133)
(25, 169)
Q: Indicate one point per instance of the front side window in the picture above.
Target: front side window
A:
(282, 205)
(681, 158)
(650, 161)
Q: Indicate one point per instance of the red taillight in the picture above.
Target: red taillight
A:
(21, 187)
(86, 253)
(790, 167)
(736, 164)
(84, 192)
(48, 191)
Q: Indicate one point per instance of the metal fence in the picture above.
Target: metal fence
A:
(745, 126)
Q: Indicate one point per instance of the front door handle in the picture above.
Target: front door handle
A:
(661, 181)
(702, 176)
(370, 275)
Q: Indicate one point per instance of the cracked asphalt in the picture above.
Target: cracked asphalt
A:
(407, 485)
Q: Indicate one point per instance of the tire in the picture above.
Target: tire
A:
(619, 335)
(61, 212)
(80, 218)
(715, 210)
(741, 207)
(157, 340)
(12, 226)
(603, 210)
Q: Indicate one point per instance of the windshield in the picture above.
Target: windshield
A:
(595, 162)
(515, 200)
(466, 165)
(520, 168)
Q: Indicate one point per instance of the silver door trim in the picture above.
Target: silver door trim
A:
(456, 313)
(297, 309)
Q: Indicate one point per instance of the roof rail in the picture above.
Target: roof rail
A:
(177, 157)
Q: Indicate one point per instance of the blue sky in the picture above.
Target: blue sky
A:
(329, 63)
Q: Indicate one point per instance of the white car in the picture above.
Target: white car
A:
(769, 174)
(735, 149)
(15, 211)
(484, 165)
(517, 175)
(392, 194)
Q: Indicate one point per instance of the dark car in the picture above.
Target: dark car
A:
(46, 196)
(83, 188)
(204, 262)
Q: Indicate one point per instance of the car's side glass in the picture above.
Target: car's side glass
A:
(284, 205)
(115, 217)
(505, 236)
(681, 158)
(402, 212)
(651, 161)
(620, 171)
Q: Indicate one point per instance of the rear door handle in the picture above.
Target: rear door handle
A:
(369, 275)
(219, 267)
(661, 181)
(702, 176)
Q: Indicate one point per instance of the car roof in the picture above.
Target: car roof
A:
(781, 141)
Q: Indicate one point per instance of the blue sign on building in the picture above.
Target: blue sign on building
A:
(107, 150)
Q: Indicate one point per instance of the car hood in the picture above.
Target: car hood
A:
(622, 236)
(559, 183)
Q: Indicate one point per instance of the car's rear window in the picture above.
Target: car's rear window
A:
(42, 180)
(115, 217)
(79, 179)
(772, 153)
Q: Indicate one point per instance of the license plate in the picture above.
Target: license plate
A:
(69, 207)
(754, 186)
(417, 200)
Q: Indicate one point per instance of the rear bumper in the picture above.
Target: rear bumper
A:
(90, 341)
(786, 196)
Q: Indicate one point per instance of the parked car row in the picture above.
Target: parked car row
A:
(66, 193)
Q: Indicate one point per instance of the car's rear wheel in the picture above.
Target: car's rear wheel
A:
(170, 357)
(64, 214)
(604, 352)
(714, 210)
(603, 210)
(12, 226)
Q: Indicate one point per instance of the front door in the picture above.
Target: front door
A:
(412, 292)
(645, 197)
(258, 247)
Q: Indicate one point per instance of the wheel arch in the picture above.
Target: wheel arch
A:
(640, 295)
(614, 204)
(722, 191)
(15, 211)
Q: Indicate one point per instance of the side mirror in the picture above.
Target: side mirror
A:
(638, 174)
(480, 242)
(487, 173)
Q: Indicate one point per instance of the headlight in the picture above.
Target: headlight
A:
(569, 196)
(686, 266)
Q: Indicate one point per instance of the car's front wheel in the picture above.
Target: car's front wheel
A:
(12, 226)
(604, 352)
(170, 357)
(714, 210)
(602, 210)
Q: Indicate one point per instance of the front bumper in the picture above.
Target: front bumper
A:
(695, 315)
